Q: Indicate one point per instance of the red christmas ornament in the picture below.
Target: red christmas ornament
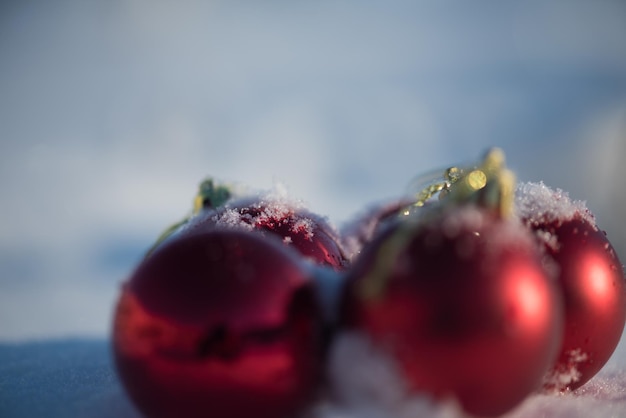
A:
(590, 277)
(461, 301)
(220, 324)
(456, 293)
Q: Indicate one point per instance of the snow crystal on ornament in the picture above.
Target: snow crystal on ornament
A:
(561, 377)
(539, 204)
(304, 225)
(262, 209)
(232, 218)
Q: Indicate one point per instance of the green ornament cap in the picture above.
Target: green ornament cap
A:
(210, 196)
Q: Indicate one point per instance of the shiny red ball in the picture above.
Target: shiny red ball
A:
(460, 300)
(220, 324)
(590, 278)
(592, 281)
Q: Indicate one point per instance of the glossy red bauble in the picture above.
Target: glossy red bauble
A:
(590, 277)
(220, 324)
(461, 302)
(308, 233)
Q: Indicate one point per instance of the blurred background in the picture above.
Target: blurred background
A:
(111, 112)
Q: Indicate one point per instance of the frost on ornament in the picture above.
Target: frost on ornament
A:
(567, 372)
(271, 210)
(539, 204)
(278, 216)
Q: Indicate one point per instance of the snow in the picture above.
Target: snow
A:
(367, 384)
(262, 208)
(538, 204)
(76, 379)
(569, 373)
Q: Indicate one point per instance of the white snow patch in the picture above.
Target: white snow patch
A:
(604, 396)
(304, 225)
(560, 377)
(538, 204)
(368, 384)
(232, 218)
(266, 208)
(550, 240)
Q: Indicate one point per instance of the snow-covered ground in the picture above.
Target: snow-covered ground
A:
(76, 379)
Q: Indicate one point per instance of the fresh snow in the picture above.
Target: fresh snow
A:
(540, 204)
(76, 379)
(270, 206)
